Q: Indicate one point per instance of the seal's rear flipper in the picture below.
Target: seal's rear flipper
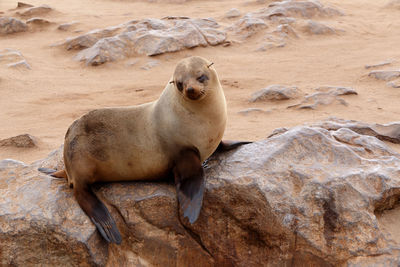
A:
(53, 172)
(98, 213)
(229, 145)
(189, 181)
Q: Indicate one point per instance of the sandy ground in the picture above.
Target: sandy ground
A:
(45, 100)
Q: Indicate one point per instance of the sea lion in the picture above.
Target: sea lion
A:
(170, 136)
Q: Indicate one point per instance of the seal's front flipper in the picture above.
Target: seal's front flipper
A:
(189, 181)
(229, 145)
(98, 213)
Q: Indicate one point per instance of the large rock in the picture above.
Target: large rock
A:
(11, 25)
(306, 196)
(147, 37)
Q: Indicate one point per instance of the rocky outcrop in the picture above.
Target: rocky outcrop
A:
(309, 195)
(145, 37)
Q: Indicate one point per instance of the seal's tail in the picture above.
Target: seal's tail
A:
(54, 173)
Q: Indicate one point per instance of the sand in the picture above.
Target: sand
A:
(45, 100)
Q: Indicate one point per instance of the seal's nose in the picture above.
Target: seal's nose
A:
(190, 90)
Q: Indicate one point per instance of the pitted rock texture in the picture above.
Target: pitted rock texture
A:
(307, 196)
(146, 37)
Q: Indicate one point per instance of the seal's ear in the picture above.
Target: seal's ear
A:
(189, 181)
(208, 66)
(171, 82)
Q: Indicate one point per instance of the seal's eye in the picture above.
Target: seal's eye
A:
(179, 85)
(202, 78)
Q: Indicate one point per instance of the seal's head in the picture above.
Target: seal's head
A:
(194, 78)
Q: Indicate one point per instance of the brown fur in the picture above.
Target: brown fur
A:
(174, 134)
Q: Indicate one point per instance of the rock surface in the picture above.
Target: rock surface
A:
(380, 64)
(232, 13)
(307, 196)
(146, 37)
(23, 140)
(326, 95)
(285, 16)
(385, 75)
(313, 27)
(38, 22)
(14, 59)
(394, 84)
(275, 92)
(35, 11)
(11, 25)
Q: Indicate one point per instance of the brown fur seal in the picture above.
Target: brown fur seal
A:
(170, 136)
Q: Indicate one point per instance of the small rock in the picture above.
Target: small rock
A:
(35, 11)
(38, 22)
(131, 63)
(10, 55)
(380, 64)
(278, 131)
(232, 13)
(11, 25)
(66, 26)
(326, 95)
(247, 111)
(21, 141)
(313, 27)
(285, 30)
(23, 5)
(275, 92)
(385, 75)
(20, 64)
(337, 90)
(151, 64)
(394, 84)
